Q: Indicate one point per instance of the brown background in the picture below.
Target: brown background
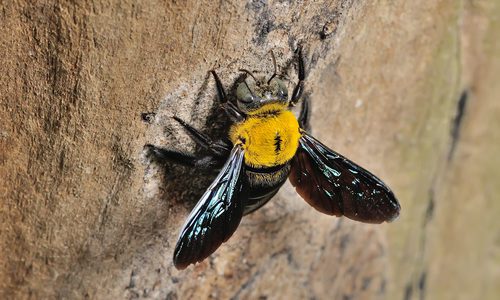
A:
(83, 213)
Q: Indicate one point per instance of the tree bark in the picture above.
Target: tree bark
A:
(407, 89)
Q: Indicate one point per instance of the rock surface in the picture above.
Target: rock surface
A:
(407, 89)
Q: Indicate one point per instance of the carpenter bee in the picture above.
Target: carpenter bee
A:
(267, 144)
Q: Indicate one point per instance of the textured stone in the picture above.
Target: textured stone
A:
(84, 214)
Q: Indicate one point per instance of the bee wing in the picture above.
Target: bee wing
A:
(334, 185)
(216, 215)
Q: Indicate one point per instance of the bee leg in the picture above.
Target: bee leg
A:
(305, 113)
(221, 93)
(299, 88)
(162, 155)
(220, 148)
(231, 110)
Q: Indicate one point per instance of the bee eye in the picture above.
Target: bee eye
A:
(247, 99)
(283, 93)
(281, 90)
(243, 93)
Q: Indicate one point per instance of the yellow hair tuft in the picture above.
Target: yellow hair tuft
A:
(270, 136)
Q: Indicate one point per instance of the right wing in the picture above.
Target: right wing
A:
(216, 215)
(334, 185)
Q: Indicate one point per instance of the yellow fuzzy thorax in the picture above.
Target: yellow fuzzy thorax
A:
(269, 135)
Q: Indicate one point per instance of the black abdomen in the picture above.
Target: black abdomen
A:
(263, 185)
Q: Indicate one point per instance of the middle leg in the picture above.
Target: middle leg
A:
(218, 148)
(162, 155)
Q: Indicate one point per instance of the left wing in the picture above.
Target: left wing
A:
(216, 215)
(334, 185)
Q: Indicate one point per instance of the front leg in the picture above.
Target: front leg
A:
(299, 88)
(230, 108)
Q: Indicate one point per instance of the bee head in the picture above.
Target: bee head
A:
(254, 92)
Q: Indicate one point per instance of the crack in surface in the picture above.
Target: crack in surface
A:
(457, 122)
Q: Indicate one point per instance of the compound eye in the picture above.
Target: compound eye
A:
(243, 93)
(282, 90)
(247, 99)
(283, 94)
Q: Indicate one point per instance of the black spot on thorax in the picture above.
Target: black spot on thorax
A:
(277, 143)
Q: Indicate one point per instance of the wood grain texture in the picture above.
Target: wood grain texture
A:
(84, 214)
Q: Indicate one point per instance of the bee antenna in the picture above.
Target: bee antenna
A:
(249, 89)
(249, 73)
(274, 65)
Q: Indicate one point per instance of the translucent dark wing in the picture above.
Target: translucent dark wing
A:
(216, 216)
(335, 185)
